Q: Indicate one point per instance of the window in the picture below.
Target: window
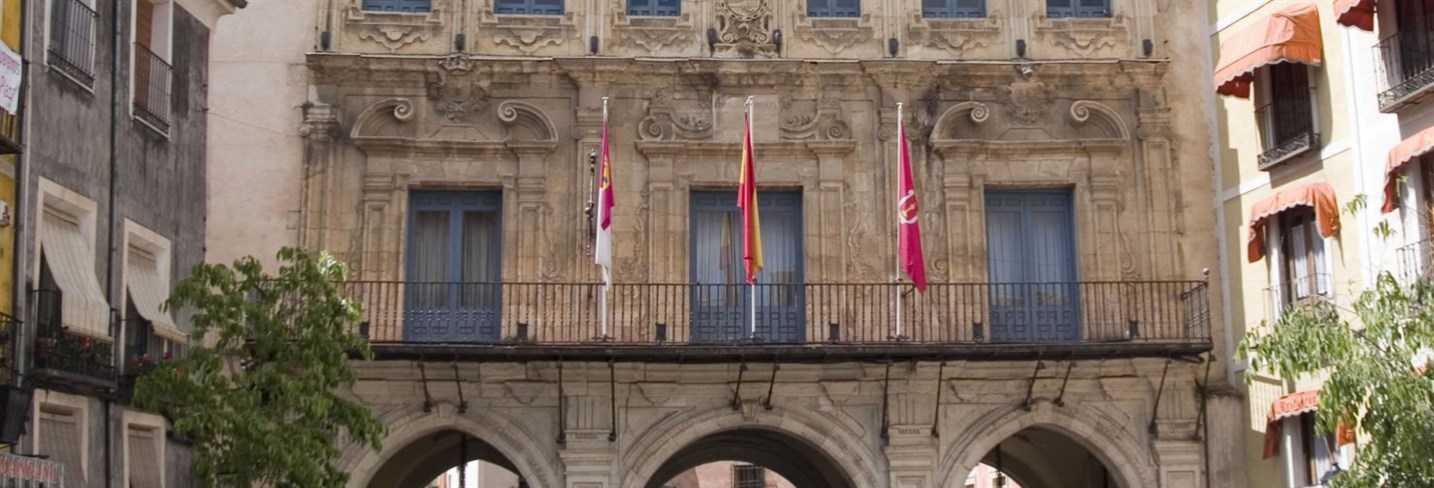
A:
(833, 8)
(72, 39)
(454, 266)
(398, 6)
(953, 9)
(1287, 117)
(1408, 55)
(668, 8)
(1304, 272)
(1030, 249)
(1077, 8)
(152, 72)
(143, 454)
(720, 293)
(1313, 454)
(67, 264)
(150, 333)
(529, 7)
(62, 436)
(748, 476)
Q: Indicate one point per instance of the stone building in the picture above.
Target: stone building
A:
(1323, 129)
(109, 211)
(443, 149)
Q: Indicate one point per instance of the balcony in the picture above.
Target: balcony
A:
(72, 40)
(65, 359)
(152, 76)
(797, 322)
(1405, 64)
(1289, 130)
(1304, 291)
(1415, 261)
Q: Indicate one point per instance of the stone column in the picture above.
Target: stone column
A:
(320, 128)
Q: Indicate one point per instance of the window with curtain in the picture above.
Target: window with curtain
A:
(1304, 269)
(529, 7)
(1030, 252)
(1077, 8)
(654, 8)
(454, 265)
(833, 8)
(720, 294)
(1288, 113)
(953, 9)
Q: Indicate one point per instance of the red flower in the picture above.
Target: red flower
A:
(85, 341)
(167, 356)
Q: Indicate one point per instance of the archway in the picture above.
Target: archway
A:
(1038, 457)
(792, 459)
(417, 464)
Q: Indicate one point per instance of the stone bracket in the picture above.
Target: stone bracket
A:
(1061, 398)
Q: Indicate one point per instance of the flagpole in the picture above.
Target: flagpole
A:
(897, 269)
(606, 272)
(752, 286)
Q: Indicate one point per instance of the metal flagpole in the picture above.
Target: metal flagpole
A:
(899, 162)
(751, 160)
(603, 172)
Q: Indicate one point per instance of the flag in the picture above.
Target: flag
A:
(908, 229)
(747, 202)
(602, 250)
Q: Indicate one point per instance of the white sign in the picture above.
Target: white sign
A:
(11, 68)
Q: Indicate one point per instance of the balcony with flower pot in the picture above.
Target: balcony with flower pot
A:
(68, 358)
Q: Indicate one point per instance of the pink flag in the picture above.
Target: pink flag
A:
(907, 211)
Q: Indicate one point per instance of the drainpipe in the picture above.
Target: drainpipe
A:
(115, 52)
(19, 280)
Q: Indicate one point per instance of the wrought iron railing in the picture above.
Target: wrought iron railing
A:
(1298, 292)
(9, 327)
(66, 358)
(1288, 129)
(72, 39)
(1405, 67)
(1416, 260)
(808, 314)
(152, 78)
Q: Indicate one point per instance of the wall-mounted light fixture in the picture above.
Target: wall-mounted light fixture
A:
(460, 42)
(777, 40)
(593, 45)
(1147, 47)
(325, 40)
(1020, 48)
(711, 40)
(893, 46)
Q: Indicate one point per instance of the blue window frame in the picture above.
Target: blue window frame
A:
(529, 7)
(833, 8)
(654, 8)
(721, 297)
(400, 6)
(453, 289)
(1077, 8)
(953, 9)
(1030, 248)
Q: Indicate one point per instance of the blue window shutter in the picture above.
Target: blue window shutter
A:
(401, 6)
(454, 253)
(664, 8)
(1030, 248)
(529, 7)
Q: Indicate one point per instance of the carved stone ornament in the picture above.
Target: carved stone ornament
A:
(672, 118)
(393, 31)
(1026, 101)
(653, 34)
(744, 28)
(457, 100)
(834, 35)
(528, 34)
(1083, 36)
(814, 119)
(955, 36)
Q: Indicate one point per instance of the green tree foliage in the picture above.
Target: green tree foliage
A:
(1374, 383)
(259, 399)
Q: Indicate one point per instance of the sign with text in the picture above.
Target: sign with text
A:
(11, 72)
(27, 471)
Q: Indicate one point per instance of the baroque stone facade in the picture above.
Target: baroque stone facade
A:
(463, 98)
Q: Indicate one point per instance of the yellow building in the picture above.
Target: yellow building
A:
(1320, 128)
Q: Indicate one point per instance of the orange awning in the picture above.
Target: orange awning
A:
(1288, 36)
(1297, 403)
(1355, 13)
(1317, 195)
(1399, 157)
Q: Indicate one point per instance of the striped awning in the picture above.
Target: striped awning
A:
(1407, 150)
(1291, 35)
(71, 261)
(1297, 403)
(1355, 13)
(1319, 196)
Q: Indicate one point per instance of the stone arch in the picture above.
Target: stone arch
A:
(961, 121)
(526, 122)
(529, 457)
(1126, 458)
(843, 447)
(1103, 121)
(383, 119)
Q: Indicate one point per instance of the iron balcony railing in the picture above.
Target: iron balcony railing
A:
(1405, 68)
(152, 77)
(8, 329)
(1416, 260)
(72, 39)
(1288, 128)
(63, 358)
(1303, 291)
(804, 314)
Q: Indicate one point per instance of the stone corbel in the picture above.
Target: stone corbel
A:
(1083, 36)
(955, 36)
(393, 30)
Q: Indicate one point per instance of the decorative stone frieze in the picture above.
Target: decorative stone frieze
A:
(655, 35)
(677, 115)
(744, 29)
(527, 34)
(832, 34)
(1085, 37)
(955, 36)
(394, 31)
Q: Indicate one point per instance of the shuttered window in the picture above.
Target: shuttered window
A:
(60, 440)
(529, 7)
(398, 6)
(1077, 8)
(833, 8)
(71, 261)
(661, 8)
(143, 454)
(148, 290)
(953, 9)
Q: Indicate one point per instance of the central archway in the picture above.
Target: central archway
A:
(794, 459)
(418, 463)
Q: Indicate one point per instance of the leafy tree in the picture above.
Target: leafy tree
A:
(258, 397)
(1375, 382)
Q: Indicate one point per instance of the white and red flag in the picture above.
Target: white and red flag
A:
(602, 250)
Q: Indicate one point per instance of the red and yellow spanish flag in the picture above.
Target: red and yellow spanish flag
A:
(747, 202)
